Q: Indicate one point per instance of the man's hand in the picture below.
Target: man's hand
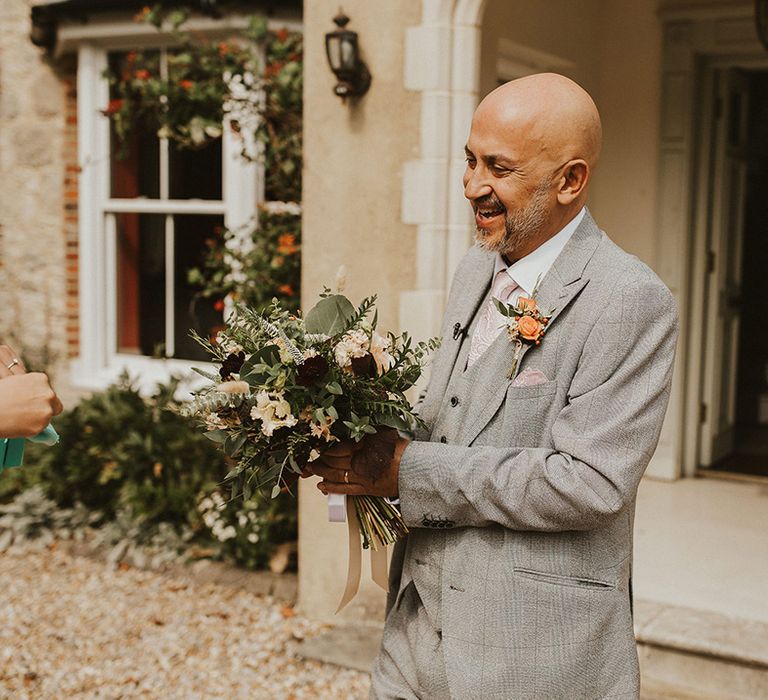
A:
(27, 402)
(366, 468)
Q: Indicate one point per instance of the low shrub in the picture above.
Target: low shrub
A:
(121, 453)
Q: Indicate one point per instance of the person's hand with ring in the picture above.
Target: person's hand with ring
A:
(27, 401)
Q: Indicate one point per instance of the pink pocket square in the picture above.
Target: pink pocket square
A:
(530, 377)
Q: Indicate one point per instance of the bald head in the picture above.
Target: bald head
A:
(557, 116)
(531, 151)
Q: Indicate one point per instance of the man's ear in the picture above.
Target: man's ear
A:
(573, 181)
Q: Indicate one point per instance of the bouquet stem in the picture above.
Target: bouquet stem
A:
(380, 522)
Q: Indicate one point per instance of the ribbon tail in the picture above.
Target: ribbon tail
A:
(354, 565)
(379, 572)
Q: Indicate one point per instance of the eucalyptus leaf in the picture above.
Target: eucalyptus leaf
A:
(218, 436)
(330, 315)
(334, 388)
(275, 491)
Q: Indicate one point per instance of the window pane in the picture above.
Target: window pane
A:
(135, 161)
(140, 284)
(196, 173)
(193, 311)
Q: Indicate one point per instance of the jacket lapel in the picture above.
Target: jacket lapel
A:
(561, 285)
(470, 287)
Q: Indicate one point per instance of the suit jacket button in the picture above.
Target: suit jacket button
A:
(443, 439)
(454, 401)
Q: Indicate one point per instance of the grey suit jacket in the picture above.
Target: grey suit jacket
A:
(521, 499)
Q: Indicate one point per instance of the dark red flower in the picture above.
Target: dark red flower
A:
(114, 106)
(232, 364)
(218, 305)
(312, 370)
(282, 34)
(363, 366)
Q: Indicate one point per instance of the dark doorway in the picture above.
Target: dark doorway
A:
(749, 455)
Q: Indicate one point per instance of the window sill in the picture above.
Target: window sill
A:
(146, 373)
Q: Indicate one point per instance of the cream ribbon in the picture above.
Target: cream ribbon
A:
(354, 565)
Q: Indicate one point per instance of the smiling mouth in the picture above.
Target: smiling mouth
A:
(487, 214)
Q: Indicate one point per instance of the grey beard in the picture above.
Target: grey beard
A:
(520, 226)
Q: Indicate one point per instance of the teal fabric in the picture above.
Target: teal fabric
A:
(12, 449)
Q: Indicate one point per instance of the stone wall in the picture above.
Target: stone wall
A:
(354, 155)
(38, 197)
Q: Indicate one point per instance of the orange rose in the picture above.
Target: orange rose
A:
(286, 244)
(142, 74)
(186, 84)
(526, 304)
(529, 328)
(285, 289)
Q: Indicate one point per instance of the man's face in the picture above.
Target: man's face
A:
(509, 188)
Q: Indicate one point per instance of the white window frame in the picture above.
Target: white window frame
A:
(99, 364)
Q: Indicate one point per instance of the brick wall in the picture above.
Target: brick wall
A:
(38, 214)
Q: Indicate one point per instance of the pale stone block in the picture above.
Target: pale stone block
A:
(459, 209)
(436, 11)
(427, 58)
(424, 196)
(47, 94)
(435, 124)
(465, 74)
(430, 257)
(460, 236)
(32, 145)
(463, 106)
(421, 312)
(9, 105)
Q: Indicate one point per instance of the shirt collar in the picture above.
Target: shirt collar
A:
(532, 268)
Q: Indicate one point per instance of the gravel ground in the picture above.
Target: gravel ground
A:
(72, 627)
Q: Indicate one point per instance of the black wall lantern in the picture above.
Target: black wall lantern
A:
(761, 21)
(344, 59)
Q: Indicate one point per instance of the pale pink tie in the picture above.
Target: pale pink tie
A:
(491, 322)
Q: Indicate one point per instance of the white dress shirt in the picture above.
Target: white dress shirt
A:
(532, 268)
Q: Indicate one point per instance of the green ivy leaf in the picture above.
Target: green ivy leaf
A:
(334, 388)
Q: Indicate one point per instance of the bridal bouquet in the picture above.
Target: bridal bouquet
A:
(290, 386)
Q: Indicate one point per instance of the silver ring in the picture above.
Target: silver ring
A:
(14, 362)
(346, 476)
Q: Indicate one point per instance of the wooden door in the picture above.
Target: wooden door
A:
(726, 230)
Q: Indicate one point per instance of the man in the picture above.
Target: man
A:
(515, 579)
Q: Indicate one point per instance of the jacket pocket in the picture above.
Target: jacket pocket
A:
(558, 580)
(531, 392)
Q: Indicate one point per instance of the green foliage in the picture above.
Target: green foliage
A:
(254, 264)
(121, 453)
(207, 81)
(119, 450)
(247, 531)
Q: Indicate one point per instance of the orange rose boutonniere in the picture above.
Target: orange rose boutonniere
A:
(525, 325)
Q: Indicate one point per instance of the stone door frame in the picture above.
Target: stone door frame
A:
(694, 40)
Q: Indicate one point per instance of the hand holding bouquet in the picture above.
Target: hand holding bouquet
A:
(289, 388)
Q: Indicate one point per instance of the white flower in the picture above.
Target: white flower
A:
(313, 455)
(274, 413)
(292, 208)
(253, 538)
(352, 344)
(380, 347)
